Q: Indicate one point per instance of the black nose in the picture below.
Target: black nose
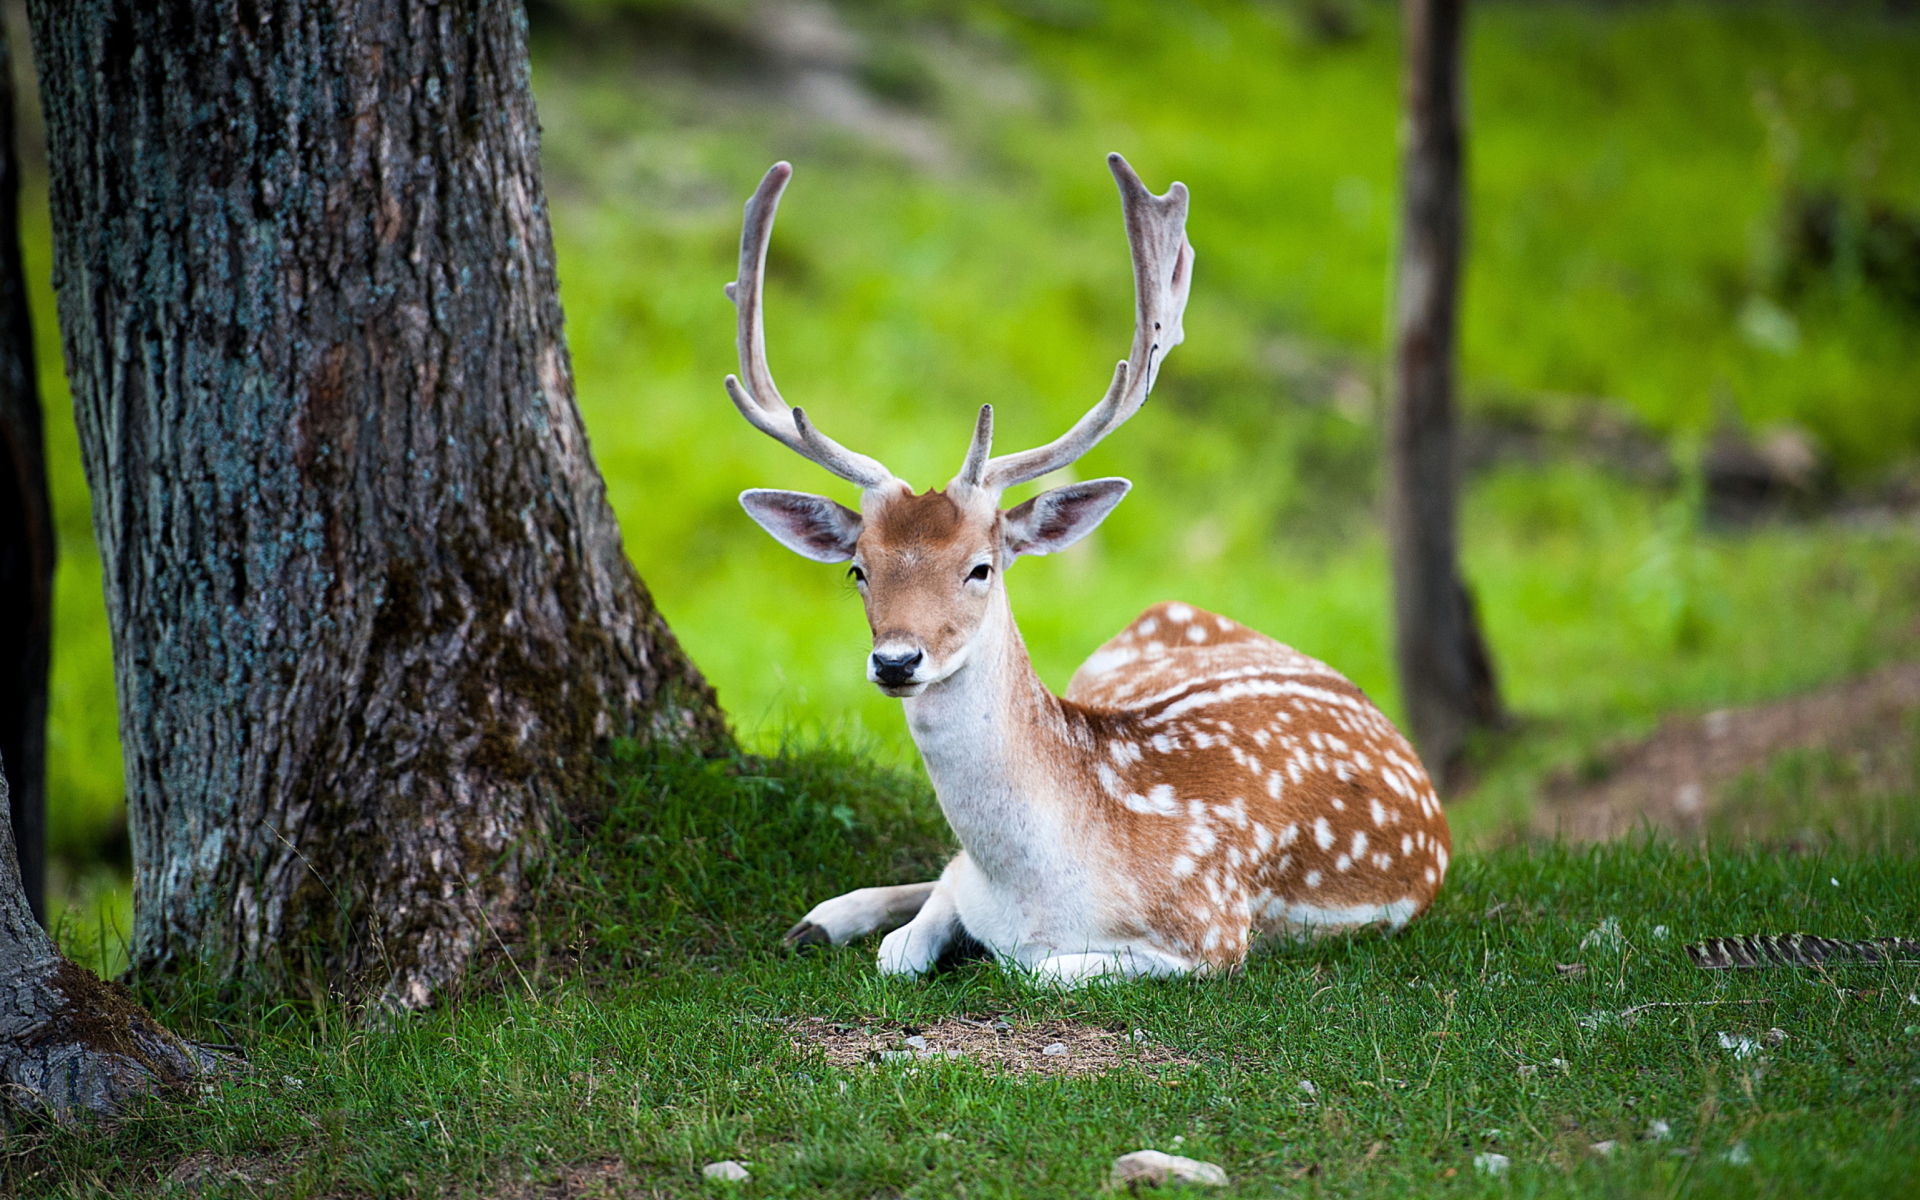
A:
(897, 669)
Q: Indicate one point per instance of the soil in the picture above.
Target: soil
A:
(596, 1179)
(991, 1043)
(1678, 778)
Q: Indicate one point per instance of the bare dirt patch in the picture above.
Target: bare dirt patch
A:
(204, 1169)
(1680, 778)
(599, 1179)
(993, 1043)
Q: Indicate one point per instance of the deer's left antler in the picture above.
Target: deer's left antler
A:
(1162, 278)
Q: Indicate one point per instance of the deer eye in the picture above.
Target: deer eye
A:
(980, 572)
(856, 574)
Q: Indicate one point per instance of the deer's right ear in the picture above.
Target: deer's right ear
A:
(811, 526)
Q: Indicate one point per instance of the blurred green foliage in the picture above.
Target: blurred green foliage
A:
(952, 237)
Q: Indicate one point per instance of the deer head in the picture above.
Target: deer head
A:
(928, 564)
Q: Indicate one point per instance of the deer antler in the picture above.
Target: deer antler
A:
(758, 399)
(1162, 277)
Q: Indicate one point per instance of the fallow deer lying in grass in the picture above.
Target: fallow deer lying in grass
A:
(1200, 785)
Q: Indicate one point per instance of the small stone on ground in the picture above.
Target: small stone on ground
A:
(1152, 1168)
(726, 1171)
(1489, 1163)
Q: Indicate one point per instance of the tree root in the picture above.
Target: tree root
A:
(74, 1045)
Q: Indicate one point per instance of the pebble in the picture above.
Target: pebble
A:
(1151, 1168)
(1057, 1050)
(919, 1054)
(1489, 1163)
(726, 1171)
(1306, 1085)
(1658, 1131)
(1741, 1045)
(1739, 1155)
(1603, 1149)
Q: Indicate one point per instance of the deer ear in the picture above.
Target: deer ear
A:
(1056, 519)
(811, 526)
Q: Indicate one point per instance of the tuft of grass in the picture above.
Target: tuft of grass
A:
(704, 857)
(1469, 1033)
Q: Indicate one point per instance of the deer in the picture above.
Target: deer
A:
(1201, 789)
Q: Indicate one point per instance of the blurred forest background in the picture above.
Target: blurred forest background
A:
(1690, 366)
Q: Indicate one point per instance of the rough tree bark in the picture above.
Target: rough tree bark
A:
(69, 1042)
(371, 611)
(26, 535)
(1446, 673)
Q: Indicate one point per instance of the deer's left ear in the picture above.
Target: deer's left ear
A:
(1056, 519)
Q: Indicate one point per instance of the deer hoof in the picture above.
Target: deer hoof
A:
(807, 935)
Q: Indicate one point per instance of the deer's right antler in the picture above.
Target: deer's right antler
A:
(1162, 277)
(758, 399)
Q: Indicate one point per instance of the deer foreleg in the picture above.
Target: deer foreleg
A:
(856, 914)
(915, 947)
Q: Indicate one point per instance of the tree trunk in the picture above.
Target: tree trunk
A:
(370, 608)
(26, 536)
(70, 1043)
(1446, 674)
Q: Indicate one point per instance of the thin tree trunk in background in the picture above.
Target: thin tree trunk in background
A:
(70, 1043)
(26, 536)
(1446, 673)
(370, 608)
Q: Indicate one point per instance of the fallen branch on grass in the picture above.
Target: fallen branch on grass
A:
(1637, 1009)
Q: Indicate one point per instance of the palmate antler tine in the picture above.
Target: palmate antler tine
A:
(1162, 279)
(757, 398)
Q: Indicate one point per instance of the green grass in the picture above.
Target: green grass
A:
(646, 1025)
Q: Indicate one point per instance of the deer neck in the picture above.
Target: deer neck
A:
(993, 739)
